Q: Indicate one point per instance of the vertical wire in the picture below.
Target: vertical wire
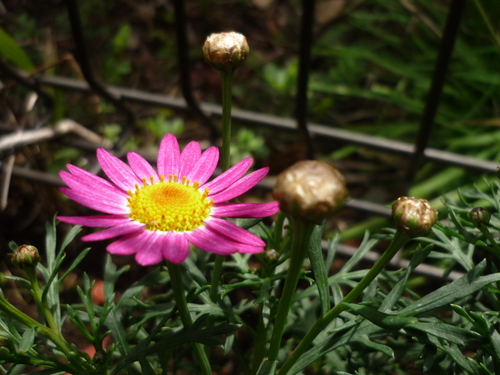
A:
(184, 67)
(82, 56)
(306, 40)
(438, 79)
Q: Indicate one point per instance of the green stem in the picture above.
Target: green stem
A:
(227, 88)
(400, 239)
(484, 229)
(46, 332)
(37, 294)
(278, 229)
(300, 243)
(180, 299)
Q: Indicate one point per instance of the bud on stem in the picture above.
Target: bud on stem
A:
(226, 51)
(310, 190)
(25, 257)
(413, 216)
(479, 215)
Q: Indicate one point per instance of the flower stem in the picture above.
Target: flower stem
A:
(399, 240)
(300, 243)
(484, 229)
(48, 333)
(227, 88)
(37, 294)
(180, 299)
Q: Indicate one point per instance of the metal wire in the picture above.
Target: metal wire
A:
(438, 79)
(82, 56)
(280, 123)
(306, 42)
(184, 68)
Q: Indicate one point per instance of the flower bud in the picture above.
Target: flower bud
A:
(25, 256)
(414, 216)
(310, 190)
(99, 357)
(270, 255)
(479, 215)
(226, 51)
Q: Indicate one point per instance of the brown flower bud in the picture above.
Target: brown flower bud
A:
(414, 216)
(479, 215)
(25, 256)
(226, 51)
(310, 190)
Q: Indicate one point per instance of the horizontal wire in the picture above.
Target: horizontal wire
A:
(370, 141)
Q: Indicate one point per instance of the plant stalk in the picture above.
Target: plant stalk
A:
(227, 88)
(48, 333)
(180, 299)
(37, 294)
(300, 243)
(485, 231)
(399, 240)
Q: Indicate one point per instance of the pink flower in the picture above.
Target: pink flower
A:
(159, 214)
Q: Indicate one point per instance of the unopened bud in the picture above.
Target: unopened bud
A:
(25, 256)
(479, 215)
(414, 216)
(271, 255)
(99, 357)
(226, 51)
(310, 190)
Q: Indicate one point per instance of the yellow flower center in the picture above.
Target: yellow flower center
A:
(169, 205)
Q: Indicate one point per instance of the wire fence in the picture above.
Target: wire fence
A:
(120, 97)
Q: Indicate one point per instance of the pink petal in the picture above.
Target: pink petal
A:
(94, 202)
(189, 157)
(234, 232)
(214, 242)
(115, 231)
(175, 247)
(245, 210)
(241, 186)
(205, 166)
(141, 167)
(150, 248)
(94, 221)
(126, 245)
(169, 156)
(117, 171)
(229, 177)
(91, 178)
(109, 194)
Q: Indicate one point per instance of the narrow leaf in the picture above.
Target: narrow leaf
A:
(319, 268)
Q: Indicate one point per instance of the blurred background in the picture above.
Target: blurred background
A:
(371, 69)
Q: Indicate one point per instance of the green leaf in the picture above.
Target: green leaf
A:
(267, 368)
(468, 284)
(75, 263)
(460, 311)
(27, 340)
(366, 246)
(12, 52)
(111, 275)
(443, 331)
(391, 322)
(349, 332)
(319, 268)
(70, 236)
